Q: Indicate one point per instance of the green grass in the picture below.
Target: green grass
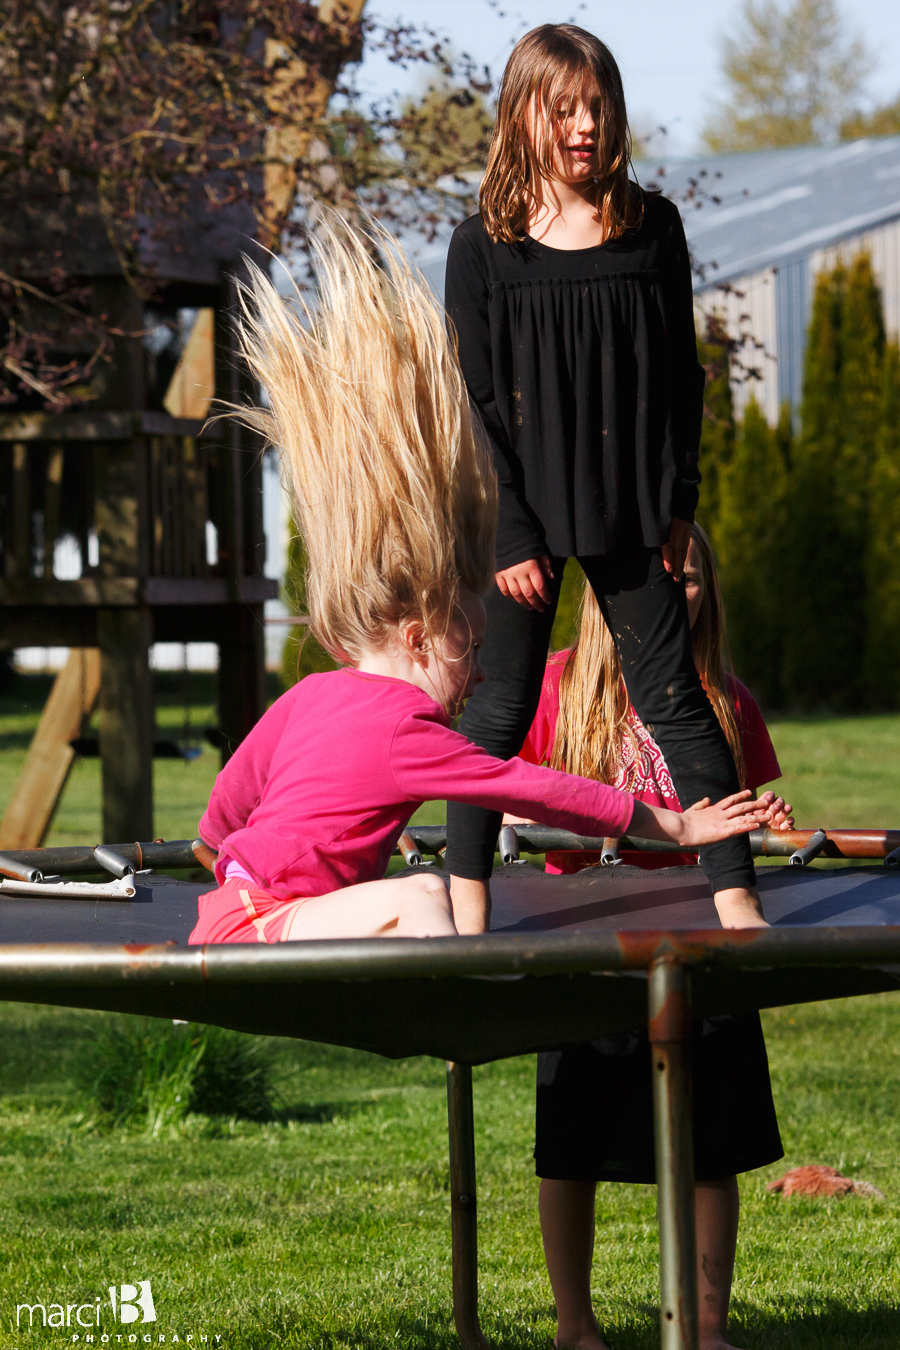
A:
(840, 770)
(331, 1228)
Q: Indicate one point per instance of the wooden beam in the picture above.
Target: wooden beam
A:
(242, 674)
(124, 592)
(126, 722)
(50, 756)
(52, 505)
(96, 426)
(18, 559)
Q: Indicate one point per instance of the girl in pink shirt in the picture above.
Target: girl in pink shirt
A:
(396, 500)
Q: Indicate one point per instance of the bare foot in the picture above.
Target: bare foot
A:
(588, 1340)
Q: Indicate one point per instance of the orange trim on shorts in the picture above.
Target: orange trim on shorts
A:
(261, 924)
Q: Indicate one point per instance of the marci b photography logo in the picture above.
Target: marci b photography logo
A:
(129, 1303)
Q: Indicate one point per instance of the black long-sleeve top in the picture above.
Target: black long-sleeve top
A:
(583, 367)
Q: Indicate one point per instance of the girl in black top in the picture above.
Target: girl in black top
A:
(571, 296)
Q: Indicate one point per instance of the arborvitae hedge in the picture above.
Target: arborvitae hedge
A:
(827, 538)
(714, 348)
(808, 528)
(748, 536)
(882, 655)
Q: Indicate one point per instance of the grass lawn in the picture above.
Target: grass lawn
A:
(330, 1228)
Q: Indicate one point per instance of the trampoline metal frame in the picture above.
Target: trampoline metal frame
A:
(77, 859)
(668, 957)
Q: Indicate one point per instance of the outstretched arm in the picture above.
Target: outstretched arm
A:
(702, 823)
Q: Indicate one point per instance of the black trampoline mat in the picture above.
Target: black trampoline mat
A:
(464, 1016)
(526, 900)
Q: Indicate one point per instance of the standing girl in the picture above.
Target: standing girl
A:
(571, 296)
(396, 502)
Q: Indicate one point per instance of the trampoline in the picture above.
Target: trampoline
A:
(568, 959)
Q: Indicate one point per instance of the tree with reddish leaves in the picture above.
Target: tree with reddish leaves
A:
(135, 131)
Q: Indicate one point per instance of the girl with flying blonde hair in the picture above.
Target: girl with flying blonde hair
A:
(594, 1112)
(396, 502)
(571, 295)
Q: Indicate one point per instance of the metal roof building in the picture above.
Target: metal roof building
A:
(781, 217)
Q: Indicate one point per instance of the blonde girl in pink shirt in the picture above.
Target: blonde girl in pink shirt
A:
(396, 500)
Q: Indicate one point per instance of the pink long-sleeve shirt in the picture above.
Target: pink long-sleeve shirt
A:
(316, 796)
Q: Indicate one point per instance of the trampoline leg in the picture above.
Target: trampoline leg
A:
(463, 1212)
(670, 1029)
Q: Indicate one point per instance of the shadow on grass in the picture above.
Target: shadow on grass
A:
(828, 1323)
(816, 1323)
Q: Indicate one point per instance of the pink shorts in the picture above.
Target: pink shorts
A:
(241, 912)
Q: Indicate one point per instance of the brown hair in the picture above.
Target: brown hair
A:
(594, 704)
(395, 494)
(550, 64)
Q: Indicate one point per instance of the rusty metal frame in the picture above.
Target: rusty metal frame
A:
(668, 957)
(183, 853)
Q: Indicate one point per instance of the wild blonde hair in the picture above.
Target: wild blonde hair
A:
(551, 65)
(395, 496)
(593, 702)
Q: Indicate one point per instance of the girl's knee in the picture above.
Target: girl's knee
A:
(433, 885)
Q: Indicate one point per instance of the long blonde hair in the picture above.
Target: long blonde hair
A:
(549, 65)
(394, 493)
(593, 703)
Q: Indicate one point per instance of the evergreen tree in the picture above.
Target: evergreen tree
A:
(882, 664)
(748, 539)
(301, 654)
(861, 392)
(714, 348)
(817, 597)
(830, 486)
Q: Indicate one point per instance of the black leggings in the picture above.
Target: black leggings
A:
(647, 614)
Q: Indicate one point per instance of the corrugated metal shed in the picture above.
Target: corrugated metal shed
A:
(782, 216)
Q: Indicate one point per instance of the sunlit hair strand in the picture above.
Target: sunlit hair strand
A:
(394, 493)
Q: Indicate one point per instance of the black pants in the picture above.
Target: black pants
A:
(647, 614)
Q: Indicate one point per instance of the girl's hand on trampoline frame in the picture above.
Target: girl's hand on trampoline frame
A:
(704, 822)
(780, 815)
(526, 582)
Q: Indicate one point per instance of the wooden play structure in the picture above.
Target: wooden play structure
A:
(160, 511)
(167, 520)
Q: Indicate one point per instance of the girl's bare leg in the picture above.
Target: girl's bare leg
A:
(716, 1207)
(471, 905)
(411, 906)
(567, 1227)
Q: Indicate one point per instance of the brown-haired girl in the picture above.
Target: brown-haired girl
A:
(594, 1112)
(570, 293)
